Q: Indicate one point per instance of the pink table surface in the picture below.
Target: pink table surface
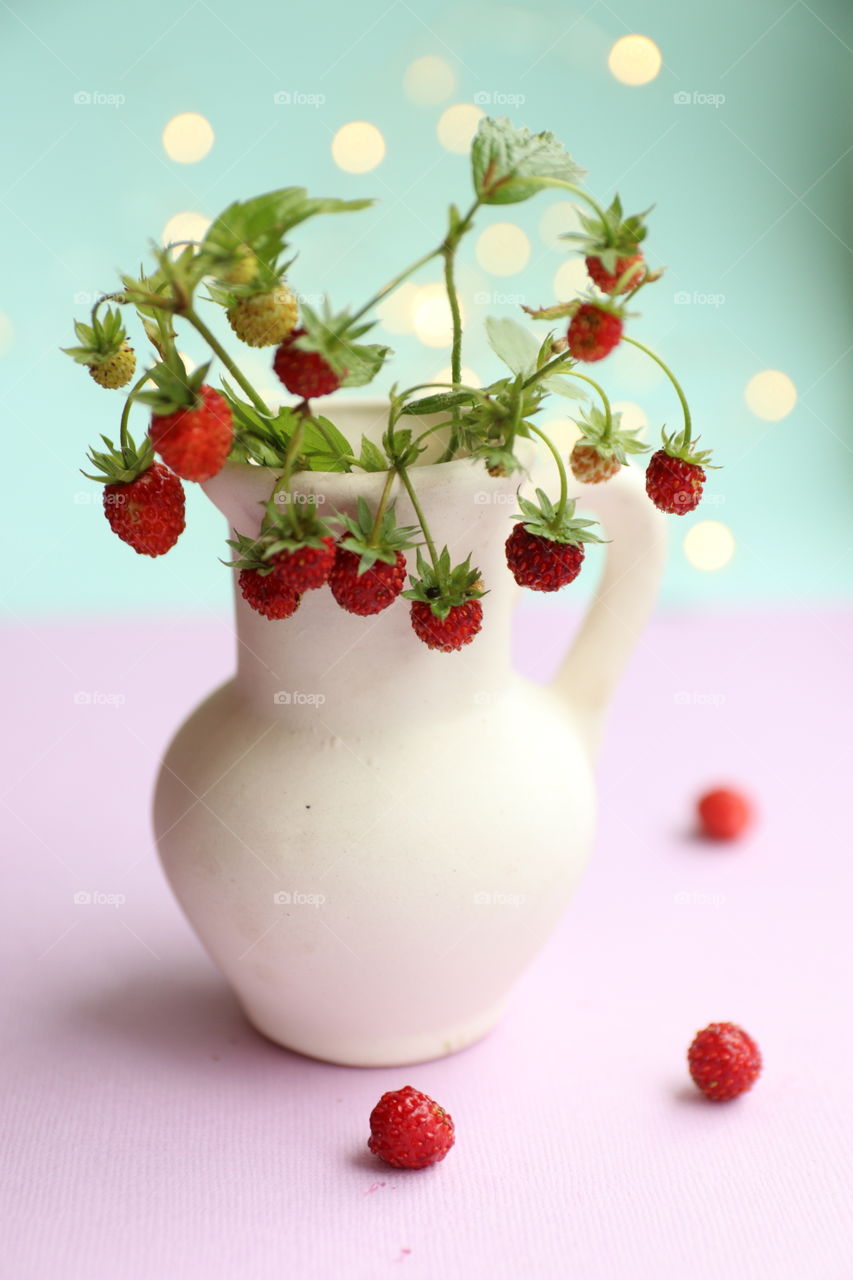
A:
(149, 1133)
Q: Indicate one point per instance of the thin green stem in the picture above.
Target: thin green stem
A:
(397, 280)
(584, 195)
(413, 498)
(564, 480)
(552, 366)
(219, 351)
(688, 428)
(608, 413)
(455, 314)
(124, 438)
(380, 510)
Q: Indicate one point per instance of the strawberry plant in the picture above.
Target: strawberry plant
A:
(241, 265)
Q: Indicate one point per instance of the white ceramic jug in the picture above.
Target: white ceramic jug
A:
(372, 839)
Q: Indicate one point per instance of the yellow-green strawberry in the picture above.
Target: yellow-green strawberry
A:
(264, 319)
(104, 349)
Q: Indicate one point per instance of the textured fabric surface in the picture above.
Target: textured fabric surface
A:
(148, 1132)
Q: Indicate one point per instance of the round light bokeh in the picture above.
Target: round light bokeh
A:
(503, 249)
(431, 318)
(556, 221)
(187, 225)
(396, 312)
(428, 81)
(457, 126)
(570, 279)
(709, 545)
(633, 417)
(7, 333)
(634, 60)
(187, 138)
(358, 147)
(771, 395)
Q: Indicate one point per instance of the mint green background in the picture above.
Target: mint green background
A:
(752, 202)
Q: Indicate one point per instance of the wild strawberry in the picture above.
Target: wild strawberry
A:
(603, 447)
(143, 500)
(264, 319)
(593, 332)
(195, 440)
(409, 1130)
(370, 568)
(724, 1061)
(446, 613)
(366, 591)
(292, 553)
(723, 814)
(675, 476)
(241, 269)
(267, 594)
(305, 373)
(610, 243)
(305, 566)
(608, 281)
(545, 549)
(105, 350)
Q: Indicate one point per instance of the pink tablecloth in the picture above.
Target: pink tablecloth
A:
(149, 1133)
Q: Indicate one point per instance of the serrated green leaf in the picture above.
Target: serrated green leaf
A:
(510, 164)
(512, 343)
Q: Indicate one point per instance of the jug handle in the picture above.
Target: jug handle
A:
(623, 600)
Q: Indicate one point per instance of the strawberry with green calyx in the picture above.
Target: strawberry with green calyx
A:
(104, 349)
(262, 311)
(191, 426)
(604, 446)
(545, 550)
(595, 329)
(293, 542)
(263, 589)
(370, 569)
(611, 246)
(446, 612)
(675, 476)
(333, 337)
(143, 500)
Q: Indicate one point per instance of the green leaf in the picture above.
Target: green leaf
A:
(515, 345)
(363, 362)
(439, 402)
(561, 386)
(371, 457)
(510, 164)
(324, 446)
(263, 222)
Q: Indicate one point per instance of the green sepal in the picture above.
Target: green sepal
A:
(99, 340)
(542, 520)
(334, 336)
(286, 526)
(371, 457)
(390, 537)
(510, 164)
(612, 441)
(611, 237)
(174, 387)
(120, 466)
(454, 585)
(680, 445)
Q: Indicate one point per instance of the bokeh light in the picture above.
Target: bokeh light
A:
(7, 333)
(503, 249)
(633, 417)
(570, 279)
(396, 311)
(709, 545)
(635, 60)
(429, 80)
(771, 395)
(556, 221)
(187, 225)
(188, 137)
(431, 318)
(358, 147)
(457, 126)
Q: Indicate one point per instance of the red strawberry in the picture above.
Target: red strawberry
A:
(593, 332)
(267, 594)
(453, 631)
(410, 1131)
(195, 440)
(368, 592)
(304, 568)
(147, 513)
(724, 1061)
(674, 484)
(541, 563)
(608, 280)
(305, 373)
(724, 814)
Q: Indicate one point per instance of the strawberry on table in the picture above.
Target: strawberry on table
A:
(409, 1130)
(724, 1061)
